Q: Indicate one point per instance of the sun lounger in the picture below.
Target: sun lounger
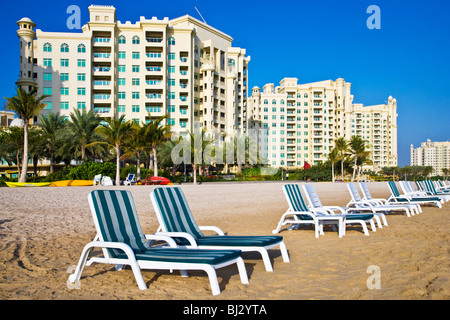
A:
(414, 208)
(374, 206)
(122, 241)
(176, 220)
(397, 197)
(352, 215)
(298, 213)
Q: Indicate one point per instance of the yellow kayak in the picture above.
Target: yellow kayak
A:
(27, 184)
(72, 183)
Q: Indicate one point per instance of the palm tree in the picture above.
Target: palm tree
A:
(135, 144)
(51, 126)
(341, 145)
(82, 129)
(156, 134)
(333, 158)
(115, 131)
(27, 105)
(12, 145)
(357, 148)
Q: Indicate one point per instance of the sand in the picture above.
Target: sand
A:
(43, 231)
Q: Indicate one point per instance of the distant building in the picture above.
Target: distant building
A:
(303, 120)
(181, 67)
(6, 118)
(435, 154)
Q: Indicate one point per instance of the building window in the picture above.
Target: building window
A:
(122, 55)
(47, 91)
(122, 40)
(64, 91)
(64, 77)
(135, 108)
(171, 56)
(121, 95)
(136, 40)
(64, 62)
(274, 101)
(47, 76)
(47, 47)
(64, 105)
(305, 95)
(266, 101)
(82, 77)
(121, 108)
(171, 95)
(64, 47)
(48, 105)
(121, 68)
(81, 48)
(135, 81)
(81, 91)
(136, 55)
(171, 121)
(135, 94)
(47, 62)
(81, 105)
(136, 68)
(82, 62)
(121, 81)
(171, 41)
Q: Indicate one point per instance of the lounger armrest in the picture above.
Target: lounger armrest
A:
(185, 235)
(334, 208)
(212, 228)
(167, 239)
(113, 245)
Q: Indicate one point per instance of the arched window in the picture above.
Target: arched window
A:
(64, 47)
(171, 41)
(305, 95)
(81, 48)
(274, 101)
(122, 40)
(282, 101)
(136, 40)
(266, 102)
(47, 47)
(231, 63)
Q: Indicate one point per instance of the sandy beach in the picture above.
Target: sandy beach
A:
(43, 231)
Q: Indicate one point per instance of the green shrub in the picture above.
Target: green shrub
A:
(87, 170)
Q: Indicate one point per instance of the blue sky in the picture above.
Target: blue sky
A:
(407, 58)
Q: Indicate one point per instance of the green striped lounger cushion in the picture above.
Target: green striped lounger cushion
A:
(177, 217)
(178, 255)
(118, 222)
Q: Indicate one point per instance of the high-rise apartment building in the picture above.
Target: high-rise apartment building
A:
(435, 154)
(181, 67)
(303, 121)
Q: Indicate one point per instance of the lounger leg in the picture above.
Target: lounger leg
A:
(213, 279)
(378, 221)
(242, 271)
(372, 224)
(266, 259)
(364, 226)
(280, 224)
(383, 217)
(284, 252)
(74, 277)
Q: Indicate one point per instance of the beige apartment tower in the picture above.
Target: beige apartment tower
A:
(303, 120)
(434, 154)
(181, 67)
